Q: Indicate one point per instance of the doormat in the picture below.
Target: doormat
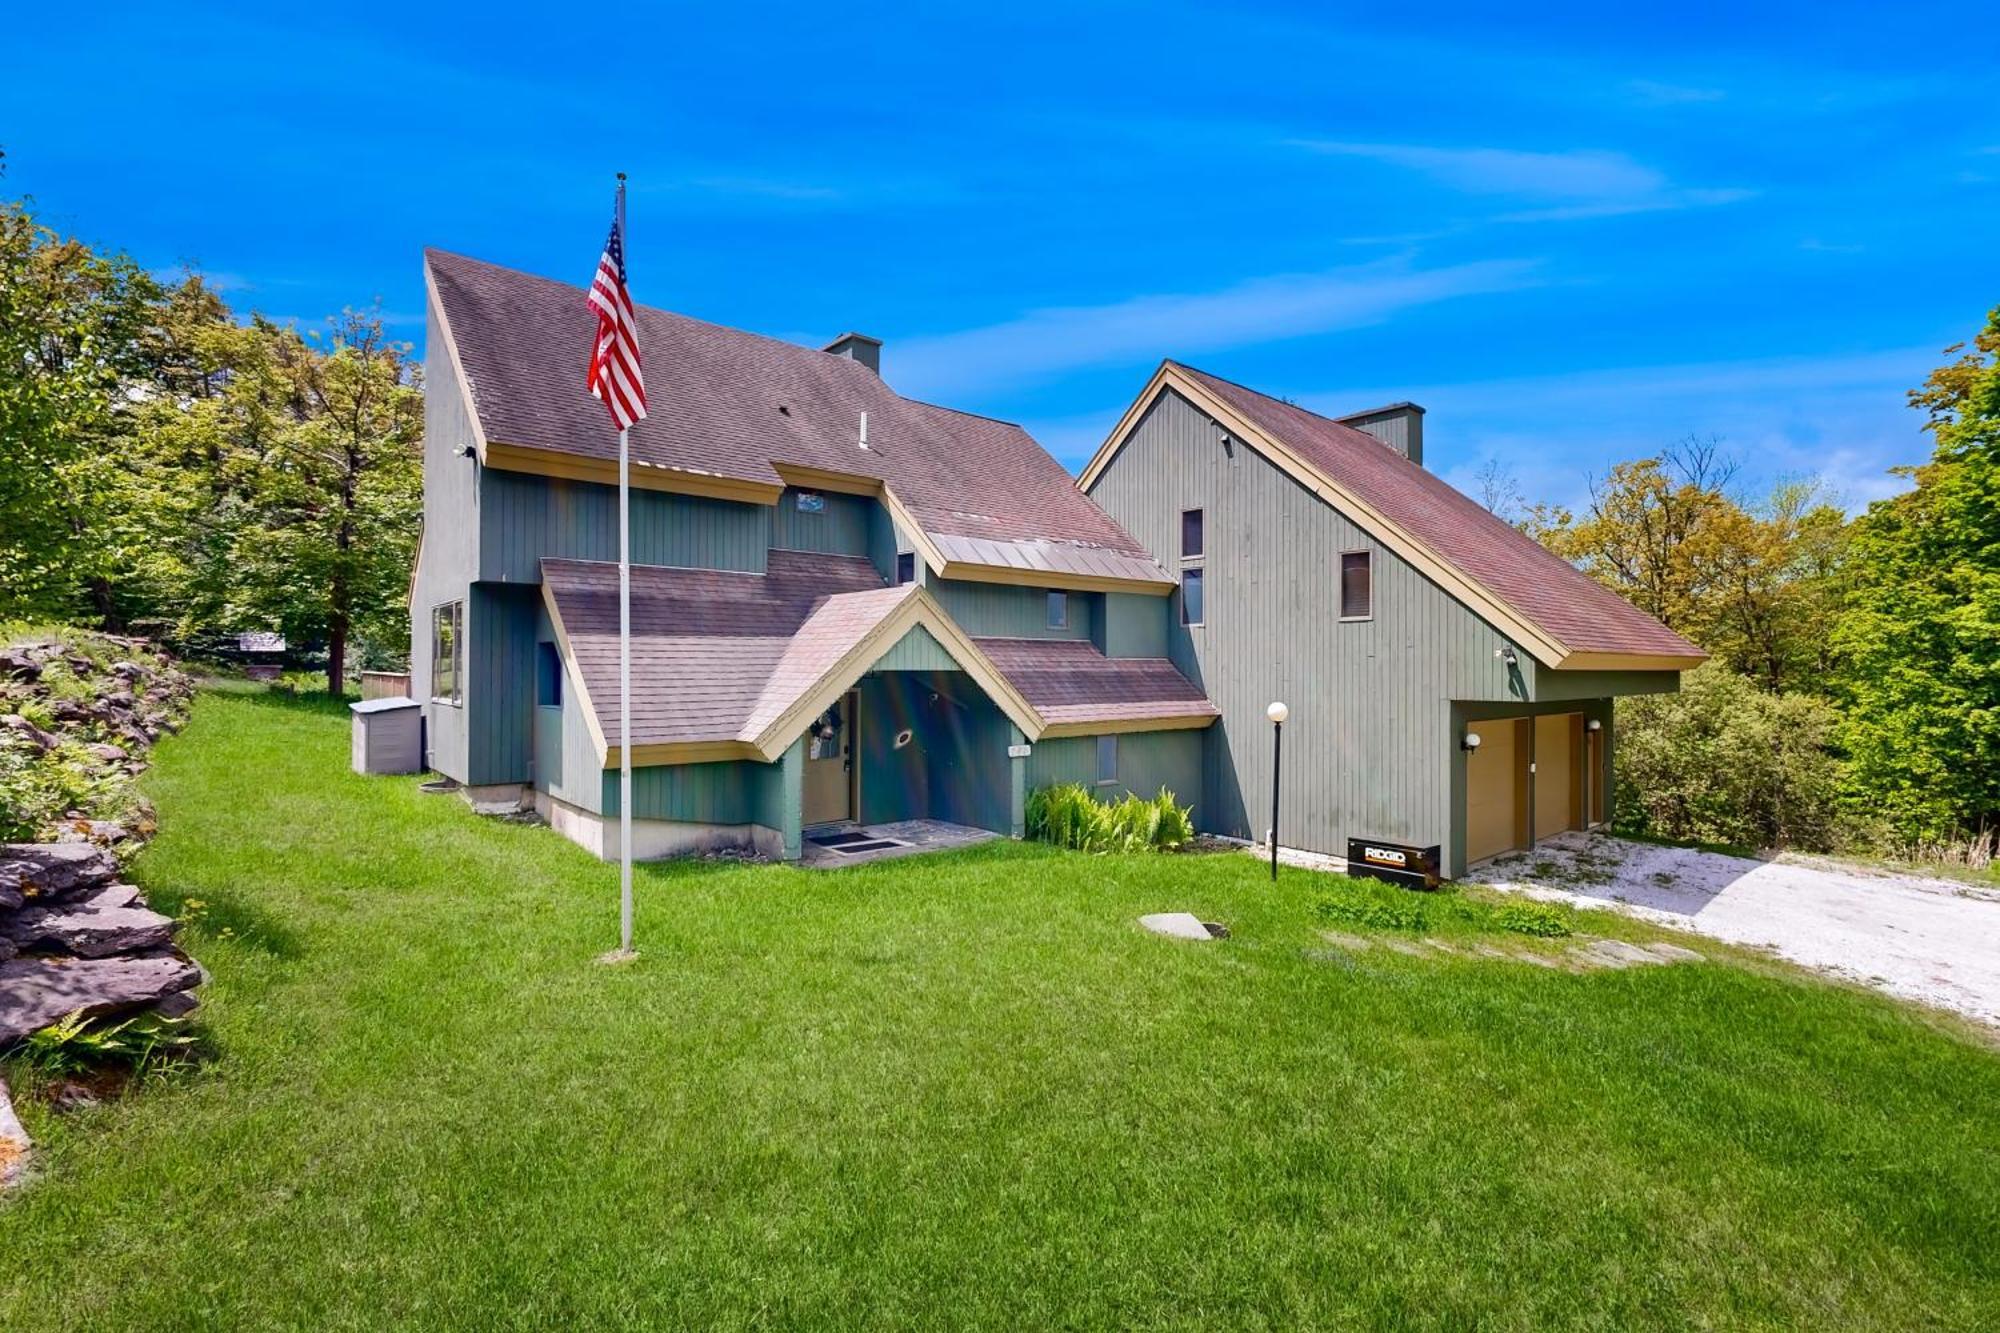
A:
(835, 839)
(873, 845)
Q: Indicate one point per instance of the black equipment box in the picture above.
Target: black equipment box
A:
(1411, 867)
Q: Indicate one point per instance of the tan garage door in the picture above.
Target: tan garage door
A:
(1492, 805)
(1558, 784)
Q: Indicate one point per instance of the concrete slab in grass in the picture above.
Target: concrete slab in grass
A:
(1180, 925)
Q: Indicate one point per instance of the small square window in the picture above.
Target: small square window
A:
(1357, 599)
(1191, 538)
(1058, 610)
(906, 567)
(1191, 608)
(1107, 760)
(811, 502)
(548, 675)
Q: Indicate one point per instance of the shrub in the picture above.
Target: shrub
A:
(1521, 919)
(76, 1045)
(1725, 762)
(1070, 816)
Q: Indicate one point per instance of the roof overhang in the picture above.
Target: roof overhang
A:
(1544, 646)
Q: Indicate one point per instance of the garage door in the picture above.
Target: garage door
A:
(1492, 809)
(1558, 784)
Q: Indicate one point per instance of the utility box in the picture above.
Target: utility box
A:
(388, 736)
(1411, 867)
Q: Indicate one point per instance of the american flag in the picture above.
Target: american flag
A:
(615, 374)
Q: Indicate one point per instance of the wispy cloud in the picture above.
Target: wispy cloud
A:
(1844, 417)
(1044, 343)
(1581, 174)
(1567, 186)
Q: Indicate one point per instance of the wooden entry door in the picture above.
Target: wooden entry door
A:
(1492, 790)
(829, 777)
(1558, 784)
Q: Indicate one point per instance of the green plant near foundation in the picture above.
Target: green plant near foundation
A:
(1070, 816)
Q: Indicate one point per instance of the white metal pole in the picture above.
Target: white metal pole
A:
(624, 653)
(624, 702)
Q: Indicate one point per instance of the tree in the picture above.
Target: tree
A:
(70, 323)
(339, 485)
(1919, 640)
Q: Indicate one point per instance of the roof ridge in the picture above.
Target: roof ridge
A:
(1282, 402)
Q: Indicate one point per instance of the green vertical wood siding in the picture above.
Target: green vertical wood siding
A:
(1147, 761)
(1365, 751)
(842, 527)
(521, 517)
(1129, 625)
(1003, 610)
(499, 683)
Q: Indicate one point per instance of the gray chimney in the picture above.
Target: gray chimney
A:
(1399, 425)
(858, 347)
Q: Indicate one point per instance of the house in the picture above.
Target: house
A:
(847, 605)
(1450, 682)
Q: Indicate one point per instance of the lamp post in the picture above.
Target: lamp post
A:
(1277, 712)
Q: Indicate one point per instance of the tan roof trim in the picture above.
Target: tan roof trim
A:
(1119, 726)
(825, 479)
(919, 609)
(686, 752)
(644, 476)
(606, 754)
(1545, 647)
(1630, 662)
(1046, 578)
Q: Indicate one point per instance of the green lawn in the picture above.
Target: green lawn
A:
(959, 1090)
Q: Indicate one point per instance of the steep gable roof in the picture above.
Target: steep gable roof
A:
(740, 415)
(1561, 615)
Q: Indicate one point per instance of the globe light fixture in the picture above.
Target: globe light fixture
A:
(1471, 741)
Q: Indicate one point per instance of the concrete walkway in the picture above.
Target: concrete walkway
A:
(883, 842)
(1936, 941)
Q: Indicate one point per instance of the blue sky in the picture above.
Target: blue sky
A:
(1574, 235)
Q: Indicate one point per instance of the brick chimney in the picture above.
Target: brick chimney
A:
(1399, 425)
(858, 347)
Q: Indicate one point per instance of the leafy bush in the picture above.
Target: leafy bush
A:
(76, 1045)
(1369, 903)
(1547, 923)
(1070, 816)
(1725, 762)
(1383, 914)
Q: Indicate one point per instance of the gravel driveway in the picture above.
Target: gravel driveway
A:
(1931, 940)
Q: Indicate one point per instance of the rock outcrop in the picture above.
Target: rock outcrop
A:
(74, 937)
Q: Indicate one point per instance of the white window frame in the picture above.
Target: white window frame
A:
(454, 613)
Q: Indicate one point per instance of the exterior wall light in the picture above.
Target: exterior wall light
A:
(1593, 725)
(1277, 712)
(1470, 743)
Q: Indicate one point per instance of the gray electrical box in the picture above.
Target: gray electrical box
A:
(388, 736)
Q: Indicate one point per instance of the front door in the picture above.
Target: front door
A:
(829, 776)
(1558, 791)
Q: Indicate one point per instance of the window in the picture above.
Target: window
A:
(448, 652)
(548, 676)
(1058, 610)
(1356, 586)
(811, 502)
(1107, 760)
(1191, 534)
(906, 567)
(1191, 596)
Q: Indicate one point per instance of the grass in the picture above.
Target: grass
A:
(959, 1090)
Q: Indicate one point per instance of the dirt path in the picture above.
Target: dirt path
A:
(1931, 940)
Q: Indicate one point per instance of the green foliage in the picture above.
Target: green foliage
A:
(1549, 923)
(1070, 816)
(1919, 643)
(167, 466)
(1725, 762)
(78, 1045)
(1381, 913)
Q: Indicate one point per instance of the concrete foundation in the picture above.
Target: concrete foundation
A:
(656, 839)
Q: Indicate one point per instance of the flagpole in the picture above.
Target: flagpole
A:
(624, 656)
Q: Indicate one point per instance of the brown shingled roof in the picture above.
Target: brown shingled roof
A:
(714, 398)
(1567, 617)
(1069, 682)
